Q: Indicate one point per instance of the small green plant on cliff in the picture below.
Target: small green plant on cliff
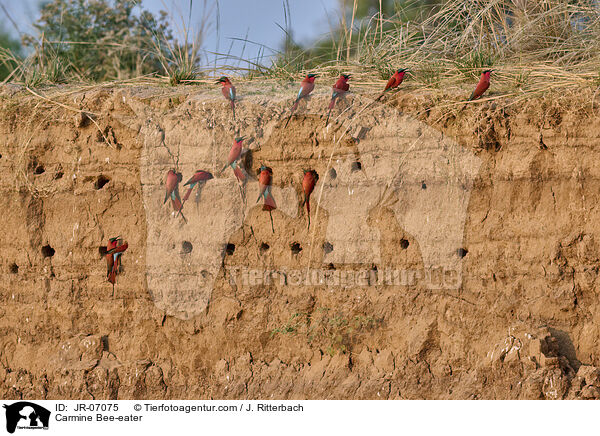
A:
(296, 321)
(333, 332)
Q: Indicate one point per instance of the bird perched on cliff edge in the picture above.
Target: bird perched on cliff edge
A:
(482, 86)
(308, 185)
(228, 91)
(339, 90)
(306, 87)
(394, 81)
(115, 249)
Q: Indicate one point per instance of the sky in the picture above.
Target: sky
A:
(254, 20)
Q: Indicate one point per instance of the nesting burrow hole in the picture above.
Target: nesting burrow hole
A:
(404, 243)
(47, 251)
(296, 248)
(230, 249)
(101, 181)
(186, 247)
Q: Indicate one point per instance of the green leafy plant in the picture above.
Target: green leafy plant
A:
(99, 39)
(334, 332)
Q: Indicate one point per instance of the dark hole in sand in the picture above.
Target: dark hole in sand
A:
(186, 247)
(101, 181)
(47, 251)
(296, 248)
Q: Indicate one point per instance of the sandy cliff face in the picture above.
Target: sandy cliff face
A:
(451, 254)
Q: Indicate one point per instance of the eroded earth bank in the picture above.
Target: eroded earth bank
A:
(452, 254)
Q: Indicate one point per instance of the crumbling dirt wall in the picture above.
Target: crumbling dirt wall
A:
(504, 196)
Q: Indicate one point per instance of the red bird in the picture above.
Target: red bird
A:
(306, 87)
(228, 91)
(339, 90)
(199, 178)
(393, 82)
(173, 179)
(308, 185)
(269, 206)
(233, 160)
(482, 86)
(115, 249)
(172, 184)
(265, 178)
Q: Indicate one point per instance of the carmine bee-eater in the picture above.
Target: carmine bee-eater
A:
(172, 187)
(339, 90)
(173, 179)
(265, 178)
(199, 178)
(393, 82)
(228, 91)
(306, 87)
(308, 185)
(115, 249)
(482, 86)
(269, 206)
(234, 155)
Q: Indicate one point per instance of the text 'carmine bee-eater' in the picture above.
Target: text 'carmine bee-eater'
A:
(199, 178)
(114, 251)
(172, 190)
(308, 185)
(393, 82)
(339, 90)
(265, 178)
(306, 87)
(228, 91)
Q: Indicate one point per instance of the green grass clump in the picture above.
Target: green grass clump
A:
(334, 332)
